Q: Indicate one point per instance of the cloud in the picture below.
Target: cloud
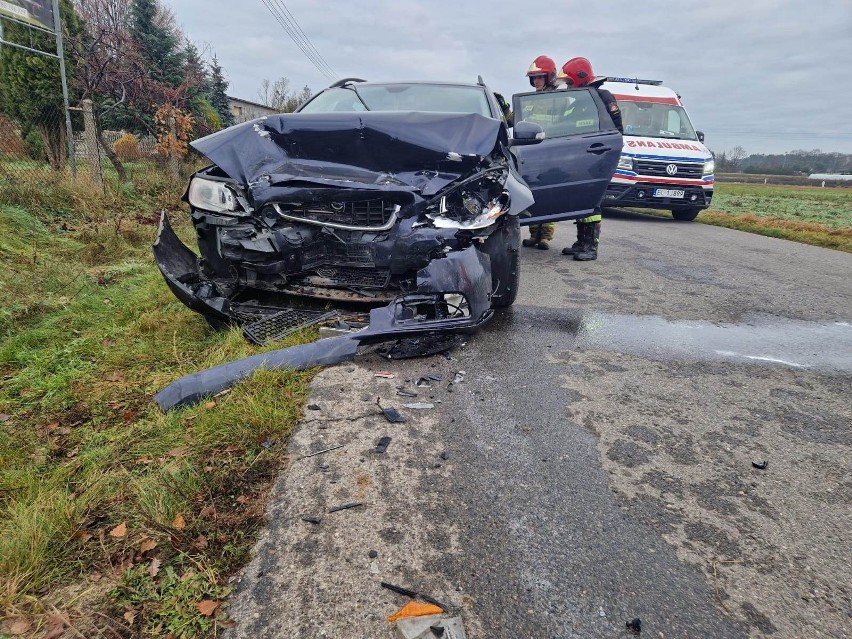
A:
(758, 74)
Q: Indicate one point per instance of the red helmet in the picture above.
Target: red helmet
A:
(545, 66)
(577, 72)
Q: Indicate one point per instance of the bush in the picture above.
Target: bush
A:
(127, 147)
(34, 141)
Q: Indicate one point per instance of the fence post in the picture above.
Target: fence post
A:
(174, 159)
(90, 135)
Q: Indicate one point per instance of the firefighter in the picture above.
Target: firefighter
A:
(542, 76)
(577, 72)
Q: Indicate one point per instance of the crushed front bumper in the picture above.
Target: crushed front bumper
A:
(463, 275)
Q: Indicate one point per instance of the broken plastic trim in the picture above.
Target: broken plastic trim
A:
(465, 272)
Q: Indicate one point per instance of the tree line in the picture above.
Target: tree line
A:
(797, 162)
(141, 72)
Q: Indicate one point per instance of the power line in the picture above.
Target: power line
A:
(305, 37)
(304, 44)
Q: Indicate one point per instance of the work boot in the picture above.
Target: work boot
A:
(572, 250)
(588, 248)
(542, 245)
(531, 241)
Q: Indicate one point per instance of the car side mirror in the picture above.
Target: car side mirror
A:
(700, 135)
(525, 133)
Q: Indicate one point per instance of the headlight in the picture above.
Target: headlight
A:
(211, 196)
(474, 204)
(625, 163)
(709, 167)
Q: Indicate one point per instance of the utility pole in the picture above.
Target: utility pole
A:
(60, 52)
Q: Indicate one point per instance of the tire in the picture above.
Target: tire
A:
(502, 248)
(685, 215)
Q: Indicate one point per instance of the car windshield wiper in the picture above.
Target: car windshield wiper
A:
(360, 98)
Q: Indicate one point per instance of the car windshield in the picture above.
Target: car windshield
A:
(402, 97)
(656, 120)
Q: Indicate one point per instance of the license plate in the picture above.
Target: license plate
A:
(668, 193)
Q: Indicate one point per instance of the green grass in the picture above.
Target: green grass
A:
(807, 214)
(89, 333)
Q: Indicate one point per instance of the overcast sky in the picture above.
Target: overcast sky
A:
(768, 75)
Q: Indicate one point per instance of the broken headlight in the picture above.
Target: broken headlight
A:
(211, 196)
(474, 203)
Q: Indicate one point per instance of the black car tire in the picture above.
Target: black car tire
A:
(685, 215)
(503, 248)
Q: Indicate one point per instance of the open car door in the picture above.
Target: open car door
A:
(570, 169)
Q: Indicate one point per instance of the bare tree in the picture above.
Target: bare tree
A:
(279, 96)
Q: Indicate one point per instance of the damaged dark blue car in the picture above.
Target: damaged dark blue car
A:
(405, 196)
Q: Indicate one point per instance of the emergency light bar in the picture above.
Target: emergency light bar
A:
(655, 83)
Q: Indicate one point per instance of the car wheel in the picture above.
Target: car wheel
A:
(502, 247)
(685, 215)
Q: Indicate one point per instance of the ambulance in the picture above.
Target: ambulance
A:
(664, 163)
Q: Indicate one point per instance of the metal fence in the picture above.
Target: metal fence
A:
(39, 154)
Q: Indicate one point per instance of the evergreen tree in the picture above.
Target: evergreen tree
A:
(156, 38)
(217, 96)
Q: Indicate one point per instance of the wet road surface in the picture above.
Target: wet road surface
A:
(595, 465)
(603, 440)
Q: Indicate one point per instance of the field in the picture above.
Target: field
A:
(808, 214)
(115, 517)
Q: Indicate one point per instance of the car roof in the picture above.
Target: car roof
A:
(346, 82)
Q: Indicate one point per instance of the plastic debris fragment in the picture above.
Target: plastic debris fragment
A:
(760, 465)
(351, 504)
(382, 445)
(415, 609)
(419, 406)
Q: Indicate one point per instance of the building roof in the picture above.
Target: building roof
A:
(256, 104)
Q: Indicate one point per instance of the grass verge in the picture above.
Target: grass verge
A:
(811, 215)
(114, 517)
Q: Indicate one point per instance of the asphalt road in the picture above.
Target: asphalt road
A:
(598, 455)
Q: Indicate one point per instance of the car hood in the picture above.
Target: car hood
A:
(379, 148)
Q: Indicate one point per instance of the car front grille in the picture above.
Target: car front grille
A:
(362, 277)
(658, 168)
(335, 253)
(366, 214)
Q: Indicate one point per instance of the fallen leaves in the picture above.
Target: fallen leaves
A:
(209, 405)
(115, 377)
(55, 626)
(119, 531)
(207, 607)
(179, 523)
(154, 568)
(147, 545)
(20, 627)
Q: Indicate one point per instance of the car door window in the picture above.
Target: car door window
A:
(561, 113)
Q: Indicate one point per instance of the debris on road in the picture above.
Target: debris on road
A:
(399, 590)
(313, 407)
(382, 445)
(601, 612)
(391, 414)
(385, 375)
(346, 506)
(419, 406)
(445, 455)
(311, 519)
(459, 378)
(634, 626)
(405, 393)
(760, 465)
(415, 609)
(429, 627)
(373, 554)
(320, 452)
